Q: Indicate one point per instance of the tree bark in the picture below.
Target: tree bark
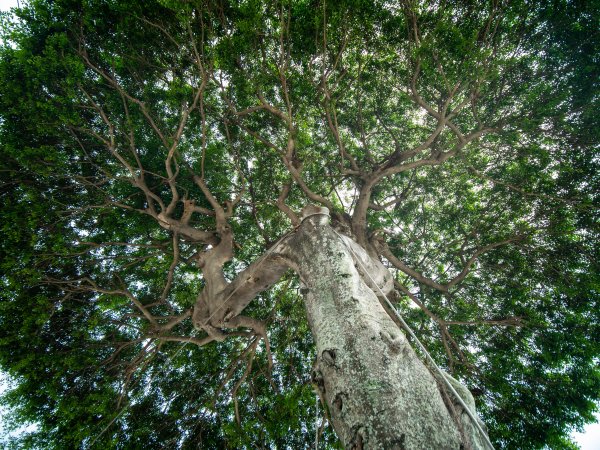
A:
(378, 392)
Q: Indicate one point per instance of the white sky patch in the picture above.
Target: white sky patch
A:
(5, 434)
(420, 117)
(5, 5)
(590, 438)
(347, 195)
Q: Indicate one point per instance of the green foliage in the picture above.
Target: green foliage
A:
(87, 368)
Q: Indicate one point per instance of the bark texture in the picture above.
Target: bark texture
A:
(378, 392)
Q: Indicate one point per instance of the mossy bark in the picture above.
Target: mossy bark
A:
(378, 392)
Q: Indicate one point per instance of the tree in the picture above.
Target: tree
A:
(162, 288)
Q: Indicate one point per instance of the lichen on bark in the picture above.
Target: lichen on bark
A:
(379, 394)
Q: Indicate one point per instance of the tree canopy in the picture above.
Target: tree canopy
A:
(149, 148)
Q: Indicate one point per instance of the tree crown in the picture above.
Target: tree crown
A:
(152, 152)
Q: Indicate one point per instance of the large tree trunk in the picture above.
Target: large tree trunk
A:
(378, 392)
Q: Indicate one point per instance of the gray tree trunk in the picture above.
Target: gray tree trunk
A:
(378, 392)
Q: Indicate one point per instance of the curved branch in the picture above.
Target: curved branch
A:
(400, 265)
